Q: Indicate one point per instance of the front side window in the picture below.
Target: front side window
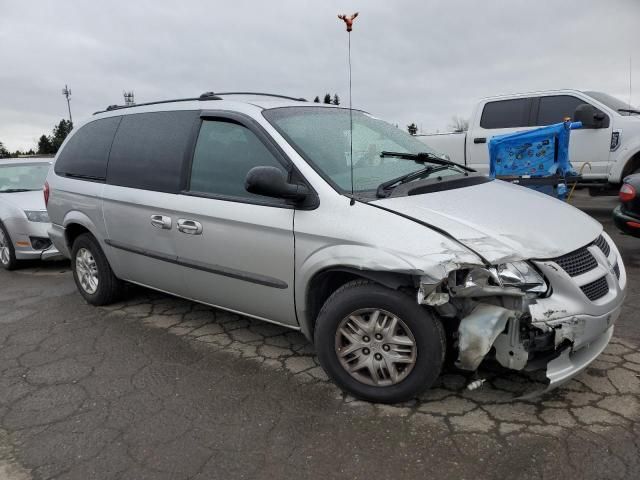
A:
(224, 154)
(557, 108)
(512, 113)
(322, 136)
(23, 177)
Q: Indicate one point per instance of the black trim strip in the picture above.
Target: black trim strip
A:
(215, 269)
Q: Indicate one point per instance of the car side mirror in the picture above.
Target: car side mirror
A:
(590, 116)
(272, 182)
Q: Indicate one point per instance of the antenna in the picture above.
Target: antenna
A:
(128, 99)
(349, 24)
(629, 82)
(67, 93)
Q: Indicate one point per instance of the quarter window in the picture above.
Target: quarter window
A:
(86, 153)
(554, 109)
(149, 150)
(506, 113)
(224, 154)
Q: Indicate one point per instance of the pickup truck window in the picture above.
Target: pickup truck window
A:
(555, 108)
(506, 113)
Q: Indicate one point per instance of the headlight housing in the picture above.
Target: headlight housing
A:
(40, 216)
(521, 275)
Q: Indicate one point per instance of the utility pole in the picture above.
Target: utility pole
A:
(128, 99)
(67, 93)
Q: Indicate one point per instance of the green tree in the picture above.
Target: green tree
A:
(44, 146)
(327, 98)
(60, 132)
(317, 99)
(3, 151)
(336, 99)
(412, 129)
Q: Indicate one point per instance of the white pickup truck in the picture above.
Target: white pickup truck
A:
(609, 140)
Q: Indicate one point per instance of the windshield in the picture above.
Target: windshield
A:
(321, 136)
(23, 176)
(612, 102)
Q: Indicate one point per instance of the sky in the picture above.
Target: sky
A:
(420, 61)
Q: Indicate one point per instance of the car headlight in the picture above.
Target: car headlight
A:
(521, 275)
(37, 216)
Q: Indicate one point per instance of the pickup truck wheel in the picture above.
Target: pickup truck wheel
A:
(92, 273)
(378, 344)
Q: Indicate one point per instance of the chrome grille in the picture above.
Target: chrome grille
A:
(577, 262)
(603, 245)
(596, 289)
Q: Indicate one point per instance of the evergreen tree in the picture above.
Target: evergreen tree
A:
(3, 151)
(316, 100)
(60, 132)
(336, 99)
(412, 129)
(327, 98)
(44, 145)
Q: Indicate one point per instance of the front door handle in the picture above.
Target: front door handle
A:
(480, 140)
(161, 221)
(190, 227)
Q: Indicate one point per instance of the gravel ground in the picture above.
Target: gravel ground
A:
(157, 387)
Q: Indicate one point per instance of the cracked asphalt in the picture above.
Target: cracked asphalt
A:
(156, 387)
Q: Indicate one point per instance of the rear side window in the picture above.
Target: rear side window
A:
(224, 154)
(556, 108)
(149, 149)
(86, 153)
(506, 113)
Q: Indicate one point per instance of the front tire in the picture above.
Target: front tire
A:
(92, 273)
(378, 344)
(8, 258)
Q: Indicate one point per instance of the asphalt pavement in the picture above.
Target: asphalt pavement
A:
(160, 388)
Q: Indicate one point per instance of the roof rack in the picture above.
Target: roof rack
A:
(257, 94)
(203, 97)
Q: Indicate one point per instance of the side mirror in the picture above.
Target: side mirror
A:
(272, 182)
(590, 116)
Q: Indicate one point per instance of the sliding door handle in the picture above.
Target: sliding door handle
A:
(161, 221)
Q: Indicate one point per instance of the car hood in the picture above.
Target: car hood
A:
(33, 200)
(501, 221)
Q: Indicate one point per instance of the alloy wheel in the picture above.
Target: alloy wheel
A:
(5, 253)
(87, 271)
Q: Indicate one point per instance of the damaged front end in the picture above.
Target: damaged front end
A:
(529, 315)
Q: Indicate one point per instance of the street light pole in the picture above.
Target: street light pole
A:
(67, 93)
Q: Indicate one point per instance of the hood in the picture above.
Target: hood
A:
(501, 221)
(25, 200)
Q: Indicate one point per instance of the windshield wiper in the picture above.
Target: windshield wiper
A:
(629, 110)
(381, 191)
(424, 157)
(17, 190)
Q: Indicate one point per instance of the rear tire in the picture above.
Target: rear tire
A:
(390, 360)
(8, 258)
(92, 273)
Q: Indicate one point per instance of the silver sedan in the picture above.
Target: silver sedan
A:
(23, 216)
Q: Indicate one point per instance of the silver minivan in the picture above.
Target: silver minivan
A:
(384, 254)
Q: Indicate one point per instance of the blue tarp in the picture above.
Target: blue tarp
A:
(543, 152)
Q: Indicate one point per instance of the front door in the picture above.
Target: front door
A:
(237, 248)
(587, 145)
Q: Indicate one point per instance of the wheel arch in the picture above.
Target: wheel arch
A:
(323, 283)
